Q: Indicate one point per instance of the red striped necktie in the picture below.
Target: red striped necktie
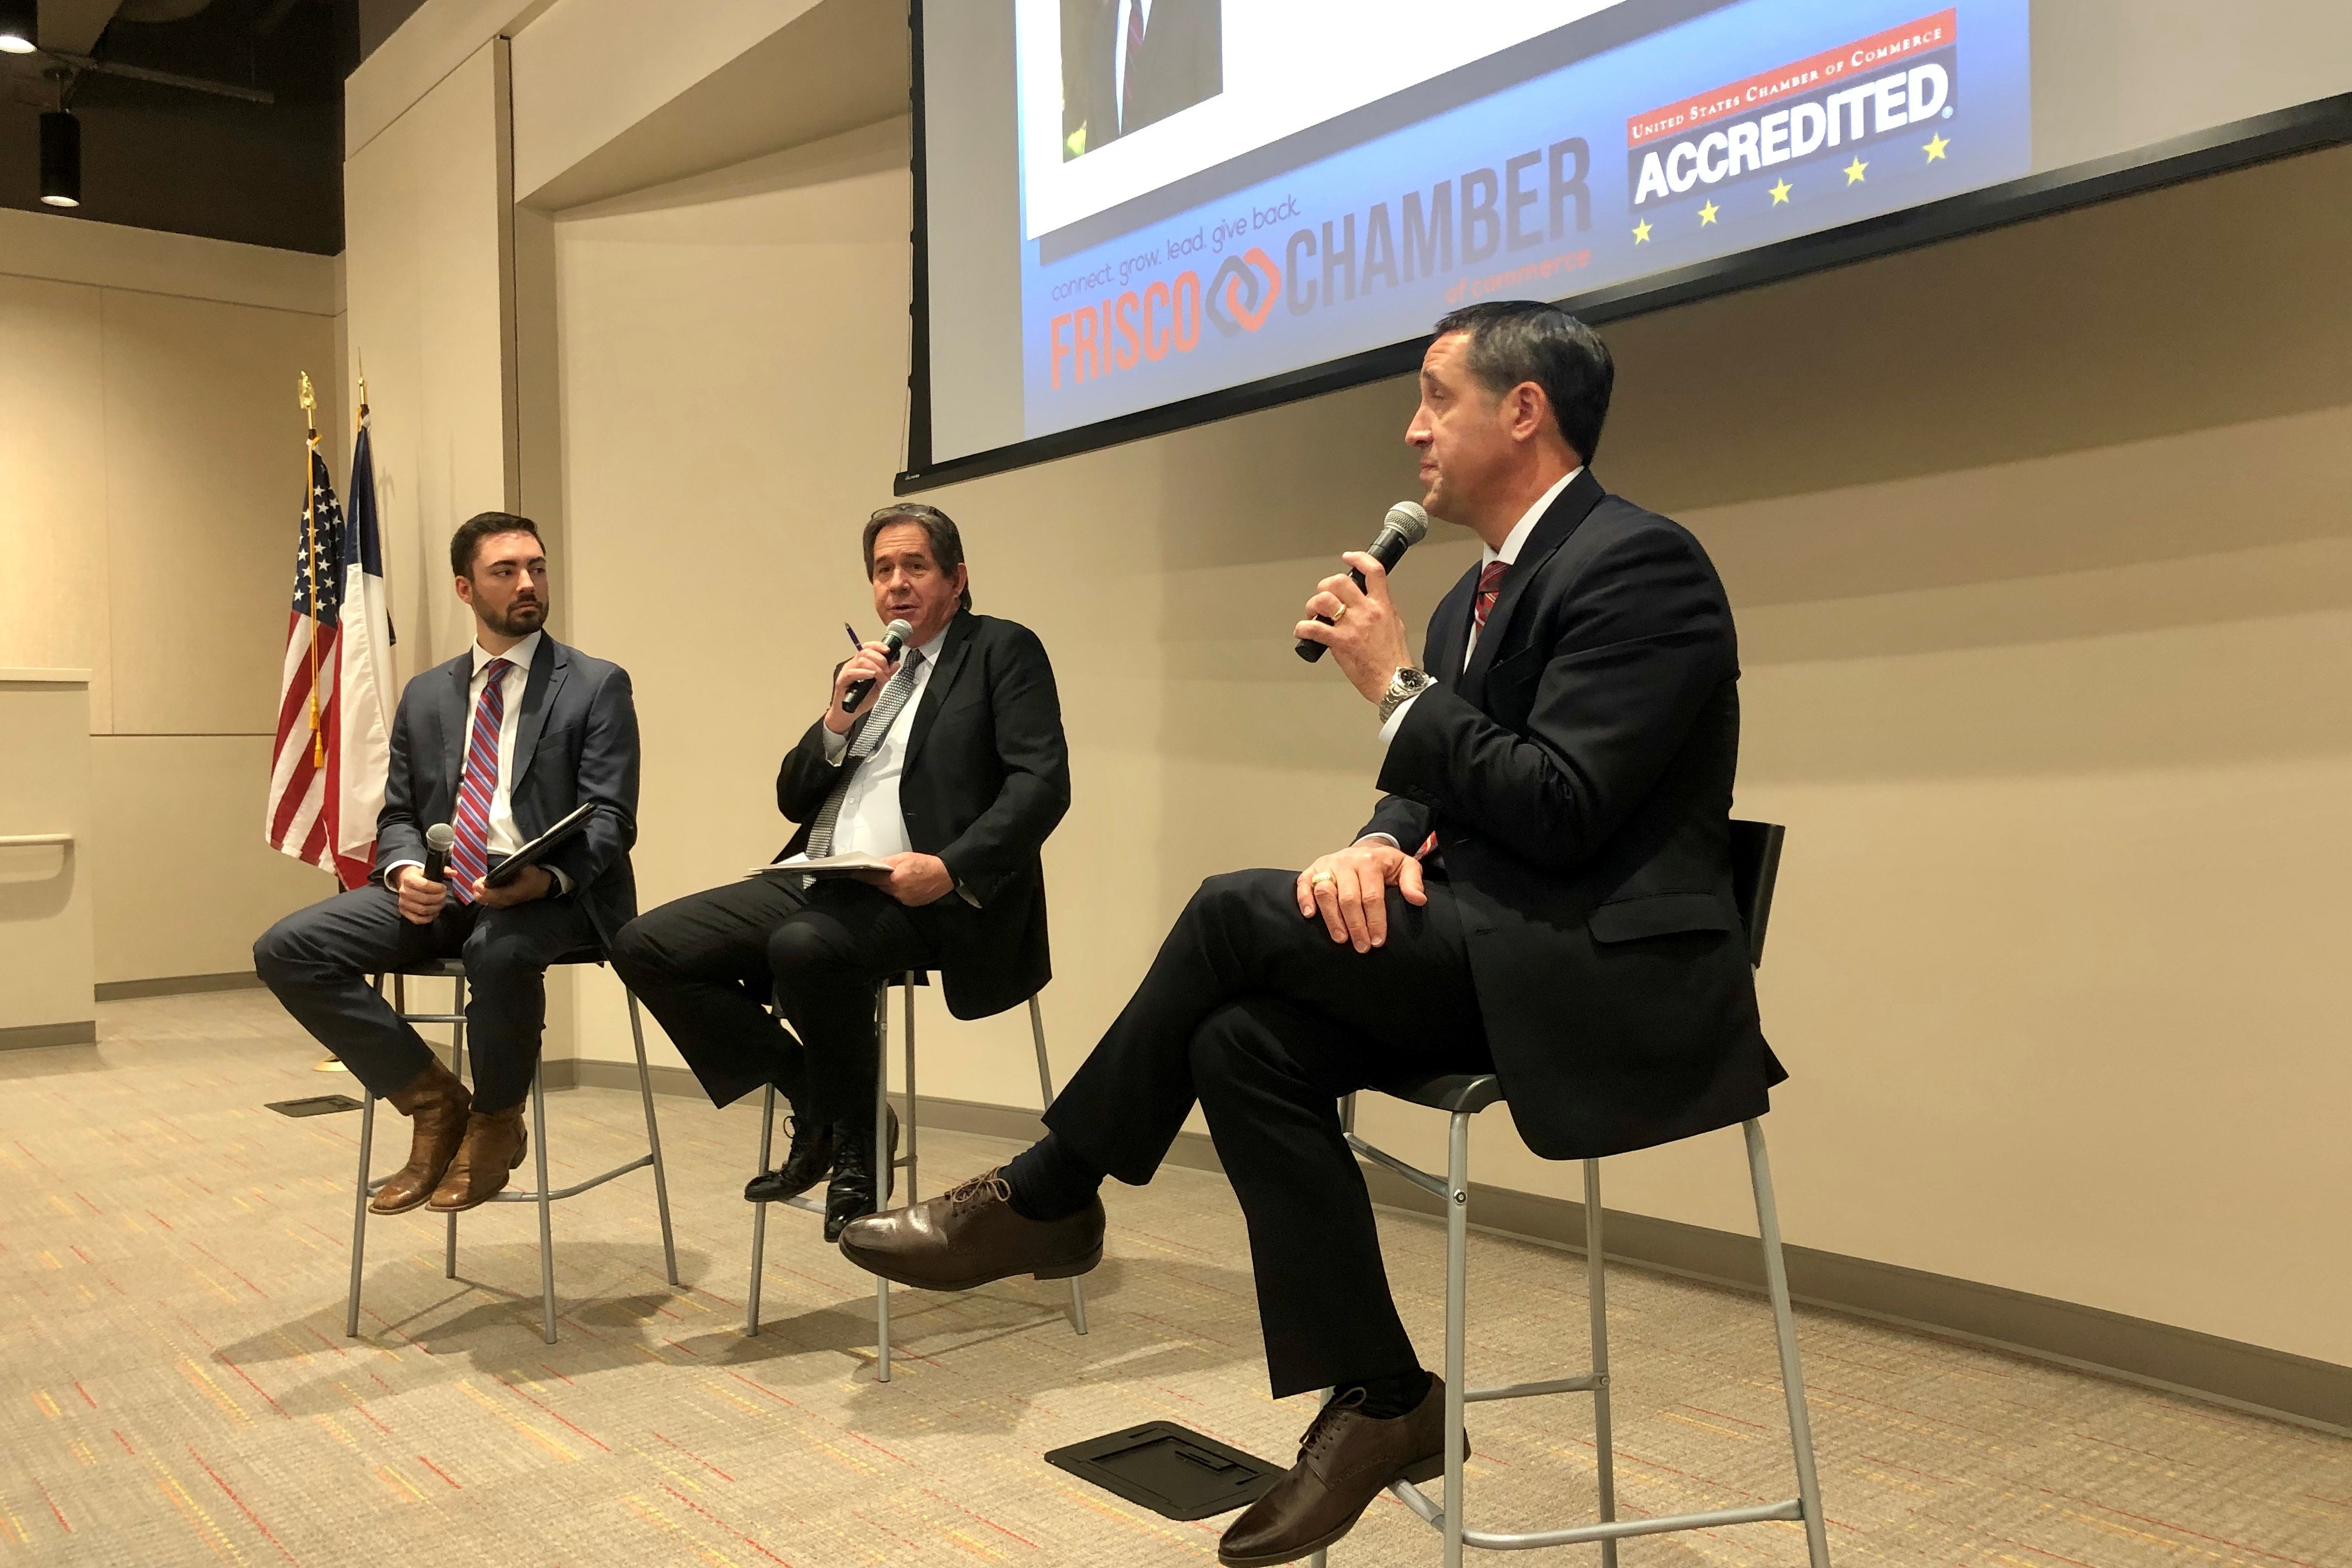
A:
(1490, 588)
(469, 856)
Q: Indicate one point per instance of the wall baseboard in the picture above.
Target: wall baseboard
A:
(177, 985)
(2241, 1376)
(32, 1036)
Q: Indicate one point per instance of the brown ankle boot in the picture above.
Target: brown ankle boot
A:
(437, 1105)
(493, 1146)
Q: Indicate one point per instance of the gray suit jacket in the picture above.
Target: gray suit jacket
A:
(575, 740)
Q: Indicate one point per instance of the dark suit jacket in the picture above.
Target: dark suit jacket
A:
(575, 740)
(1182, 62)
(986, 779)
(1578, 775)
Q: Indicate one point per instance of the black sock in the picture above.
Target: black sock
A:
(1386, 1398)
(1049, 1182)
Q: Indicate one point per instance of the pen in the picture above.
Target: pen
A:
(857, 644)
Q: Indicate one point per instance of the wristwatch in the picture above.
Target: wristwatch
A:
(1404, 686)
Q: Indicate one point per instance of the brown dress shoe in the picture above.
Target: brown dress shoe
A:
(493, 1146)
(1346, 1459)
(970, 1235)
(435, 1104)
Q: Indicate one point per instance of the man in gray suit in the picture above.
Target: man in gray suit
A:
(501, 742)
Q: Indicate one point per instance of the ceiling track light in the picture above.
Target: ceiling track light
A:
(19, 27)
(60, 159)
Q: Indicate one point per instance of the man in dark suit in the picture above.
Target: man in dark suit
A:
(952, 767)
(1545, 892)
(1141, 60)
(501, 742)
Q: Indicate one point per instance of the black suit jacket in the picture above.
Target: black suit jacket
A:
(1182, 62)
(1578, 774)
(575, 740)
(986, 779)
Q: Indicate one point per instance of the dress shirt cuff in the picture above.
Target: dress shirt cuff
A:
(391, 872)
(1387, 838)
(563, 882)
(1396, 719)
(836, 746)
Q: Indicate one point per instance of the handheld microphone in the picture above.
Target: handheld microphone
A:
(894, 637)
(439, 839)
(1405, 526)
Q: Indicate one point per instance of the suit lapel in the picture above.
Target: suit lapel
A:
(953, 647)
(1449, 631)
(1568, 509)
(456, 722)
(548, 668)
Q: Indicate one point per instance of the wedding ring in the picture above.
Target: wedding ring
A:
(1322, 879)
(1338, 614)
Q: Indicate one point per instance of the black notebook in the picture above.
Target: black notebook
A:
(532, 853)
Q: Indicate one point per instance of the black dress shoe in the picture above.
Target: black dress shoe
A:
(851, 1193)
(805, 1164)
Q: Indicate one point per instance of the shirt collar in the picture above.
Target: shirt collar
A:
(1517, 540)
(520, 655)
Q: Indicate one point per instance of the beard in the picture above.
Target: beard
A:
(518, 620)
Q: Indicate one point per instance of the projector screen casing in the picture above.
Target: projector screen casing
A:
(2252, 140)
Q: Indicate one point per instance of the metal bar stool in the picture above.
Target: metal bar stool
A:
(1755, 861)
(906, 1161)
(454, 970)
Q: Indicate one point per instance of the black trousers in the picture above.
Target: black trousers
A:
(318, 960)
(707, 964)
(1260, 1016)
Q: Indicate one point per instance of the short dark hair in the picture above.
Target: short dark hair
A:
(947, 544)
(1516, 341)
(466, 542)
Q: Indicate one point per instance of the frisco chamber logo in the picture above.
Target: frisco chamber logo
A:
(1242, 295)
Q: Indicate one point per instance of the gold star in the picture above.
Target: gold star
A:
(1780, 192)
(1641, 232)
(1935, 147)
(1706, 213)
(1853, 170)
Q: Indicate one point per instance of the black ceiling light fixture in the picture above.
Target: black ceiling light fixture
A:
(60, 159)
(19, 25)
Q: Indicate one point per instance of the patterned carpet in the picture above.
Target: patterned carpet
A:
(179, 1389)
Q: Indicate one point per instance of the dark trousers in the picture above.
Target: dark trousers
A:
(1260, 1016)
(317, 961)
(707, 964)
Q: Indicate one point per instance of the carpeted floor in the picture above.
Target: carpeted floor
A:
(173, 1266)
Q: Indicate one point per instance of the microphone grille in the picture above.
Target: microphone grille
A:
(1407, 517)
(441, 836)
(901, 630)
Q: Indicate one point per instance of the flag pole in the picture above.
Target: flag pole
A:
(311, 557)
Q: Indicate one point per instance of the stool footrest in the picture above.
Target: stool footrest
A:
(433, 1018)
(1413, 1498)
(639, 1164)
(1588, 1384)
(1414, 1173)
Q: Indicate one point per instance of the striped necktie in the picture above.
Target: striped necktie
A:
(868, 740)
(1490, 588)
(469, 856)
(1134, 57)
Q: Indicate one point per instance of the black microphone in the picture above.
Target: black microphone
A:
(1405, 526)
(439, 839)
(894, 637)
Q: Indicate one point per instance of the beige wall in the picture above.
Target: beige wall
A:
(2040, 551)
(152, 448)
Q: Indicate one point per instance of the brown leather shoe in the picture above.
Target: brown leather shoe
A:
(1346, 1459)
(970, 1235)
(493, 1146)
(437, 1105)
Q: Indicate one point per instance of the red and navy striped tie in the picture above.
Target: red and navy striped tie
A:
(469, 856)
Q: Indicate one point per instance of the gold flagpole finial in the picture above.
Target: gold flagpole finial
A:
(362, 364)
(310, 407)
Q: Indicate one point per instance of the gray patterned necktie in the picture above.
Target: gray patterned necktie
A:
(868, 740)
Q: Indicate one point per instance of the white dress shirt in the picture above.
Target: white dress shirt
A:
(1119, 53)
(505, 837)
(871, 819)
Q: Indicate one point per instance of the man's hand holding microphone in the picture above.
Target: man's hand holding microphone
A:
(914, 878)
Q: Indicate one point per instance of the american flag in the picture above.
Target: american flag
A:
(334, 728)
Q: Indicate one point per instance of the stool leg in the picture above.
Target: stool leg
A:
(882, 1172)
(911, 1188)
(1784, 1326)
(1046, 1098)
(359, 1215)
(652, 1136)
(1457, 1270)
(457, 1069)
(1596, 1289)
(760, 1213)
(546, 1214)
